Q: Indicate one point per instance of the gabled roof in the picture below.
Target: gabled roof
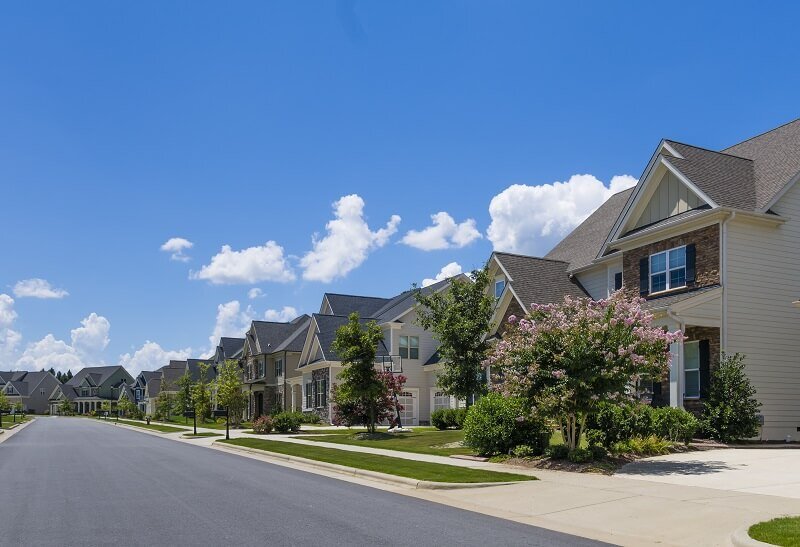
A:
(21, 388)
(537, 280)
(193, 366)
(272, 336)
(153, 387)
(407, 300)
(581, 246)
(231, 347)
(96, 375)
(364, 306)
(326, 327)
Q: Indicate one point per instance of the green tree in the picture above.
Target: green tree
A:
(360, 386)
(459, 318)
(164, 405)
(105, 406)
(5, 405)
(65, 407)
(229, 391)
(201, 394)
(183, 398)
(731, 412)
(127, 407)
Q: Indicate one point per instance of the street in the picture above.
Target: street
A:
(74, 481)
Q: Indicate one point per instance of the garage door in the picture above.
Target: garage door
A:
(409, 398)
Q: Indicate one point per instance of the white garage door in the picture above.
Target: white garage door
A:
(409, 398)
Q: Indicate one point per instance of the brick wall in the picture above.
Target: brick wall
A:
(513, 309)
(707, 248)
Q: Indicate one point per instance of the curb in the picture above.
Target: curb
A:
(8, 433)
(363, 473)
(741, 538)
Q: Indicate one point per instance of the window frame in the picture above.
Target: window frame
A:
(693, 370)
(278, 367)
(408, 347)
(666, 271)
(308, 398)
(499, 281)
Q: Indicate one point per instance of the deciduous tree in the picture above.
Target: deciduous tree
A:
(229, 391)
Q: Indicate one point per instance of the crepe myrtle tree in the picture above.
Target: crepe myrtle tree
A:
(564, 359)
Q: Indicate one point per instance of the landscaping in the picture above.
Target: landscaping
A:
(202, 434)
(154, 427)
(437, 443)
(426, 471)
(783, 531)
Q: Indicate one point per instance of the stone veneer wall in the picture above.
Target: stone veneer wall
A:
(707, 247)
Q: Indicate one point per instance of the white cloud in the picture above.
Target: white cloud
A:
(9, 338)
(7, 313)
(50, 352)
(37, 288)
(347, 243)
(444, 234)
(254, 293)
(231, 321)
(176, 247)
(251, 265)
(531, 219)
(449, 270)
(92, 337)
(150, 357)
(287, 313)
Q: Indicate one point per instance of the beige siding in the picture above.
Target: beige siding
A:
(670, 197)
(706, 314)
(595, 281)
(412, 368)
(763, 266)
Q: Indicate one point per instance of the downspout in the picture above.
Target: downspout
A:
(679, 373)
(724, 278)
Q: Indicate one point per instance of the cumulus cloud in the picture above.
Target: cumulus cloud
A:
(254, 293)
(248, 266)
(445, 233)
(287, 313)
(50, 352)
(37, 288)
(531, 219)
(7, 313)
(347, 242)
(151, 356)
(92, 336)
(9, 338)
(176, 247)
(449, 270)
(231, 321)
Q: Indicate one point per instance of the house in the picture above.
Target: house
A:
(228, 349)
(89, 388)
(709, 239)
(30, 389)
(164, 379)
(139, 390)
(406, 348)
(271, 353)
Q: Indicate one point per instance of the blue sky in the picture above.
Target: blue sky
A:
(126, 125)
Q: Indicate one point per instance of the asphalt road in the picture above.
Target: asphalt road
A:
(74, 481)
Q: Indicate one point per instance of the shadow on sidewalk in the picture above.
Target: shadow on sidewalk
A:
(661, 468)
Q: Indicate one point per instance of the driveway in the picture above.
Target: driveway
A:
(769, 471)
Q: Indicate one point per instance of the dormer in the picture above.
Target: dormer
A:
(666, 198)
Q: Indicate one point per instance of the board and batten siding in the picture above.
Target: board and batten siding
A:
(671, 197)
(763, 268)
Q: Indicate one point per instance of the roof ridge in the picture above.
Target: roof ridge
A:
(763, 133)
(535, 257)
(707, 150)
(358, 296)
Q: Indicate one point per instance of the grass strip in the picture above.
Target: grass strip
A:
(422, 442)
(424, 471)
(783, 531)
(204, 434)
(154, 427)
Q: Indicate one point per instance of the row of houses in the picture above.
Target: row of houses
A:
(708, 238)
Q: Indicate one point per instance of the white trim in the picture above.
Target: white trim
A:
(781, 193)
(414, 391)
(692, 186)
(671, 150)
(666, 272)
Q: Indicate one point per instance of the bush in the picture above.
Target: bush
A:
(287, 422)
(675, 424)
(731, 411)
(598, 452)
(310, 418)
(448, 418)
(496, 424)
(580, 455)
(557, 452)
(642, 446)
(262, 425)
(525, 451)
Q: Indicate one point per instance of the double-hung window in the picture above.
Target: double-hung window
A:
(261, 369)
(409, 347)
(691, 369)
(321, 395)
(668, 270)
(279, 367)
(309, 396)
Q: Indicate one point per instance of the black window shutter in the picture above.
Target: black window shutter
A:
(644, 276)
(705, 368)
(617, 281)
(690, 260)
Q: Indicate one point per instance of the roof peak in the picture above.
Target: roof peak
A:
(706, 150)
(763, 133)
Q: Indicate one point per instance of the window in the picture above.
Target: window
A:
(691, 369)
(261, 369)
(321, 395)
(409, 347)
(309, 400)
(440, 400)
(279, 367)
(668, 270)
(499, 287)
(617, 281)
(41, 392)
(84, 392)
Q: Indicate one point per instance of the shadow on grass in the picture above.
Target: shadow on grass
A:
(660, 468)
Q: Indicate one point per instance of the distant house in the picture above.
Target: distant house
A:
(228, 349)
(89, 388)
(139, 390)
(30, 389)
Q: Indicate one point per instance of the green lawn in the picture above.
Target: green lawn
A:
(204, 434)
(419, 442)
(426, 471)
(207, 425)
(781, 531)
(8, 421)
(155, 427)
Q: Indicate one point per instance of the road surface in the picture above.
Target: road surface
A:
(75, 481)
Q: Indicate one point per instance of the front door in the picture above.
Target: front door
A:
(259, 404)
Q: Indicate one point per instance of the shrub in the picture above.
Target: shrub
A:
(642, 446)
(448, 418)
(458, 416)
(286, 422)
(598, 452)
(439, 419)
(525, 451)
(496, 424)
(580, 455)
(557, 452)
(262, 425)
(675, 424)
(731, 411)
(310, 418)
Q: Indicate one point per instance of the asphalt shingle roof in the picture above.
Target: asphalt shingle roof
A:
(539, 280)
(98, 375)
(274, 336)
(669, 300)
(326, 334)
(364, 306)
(231, 347)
